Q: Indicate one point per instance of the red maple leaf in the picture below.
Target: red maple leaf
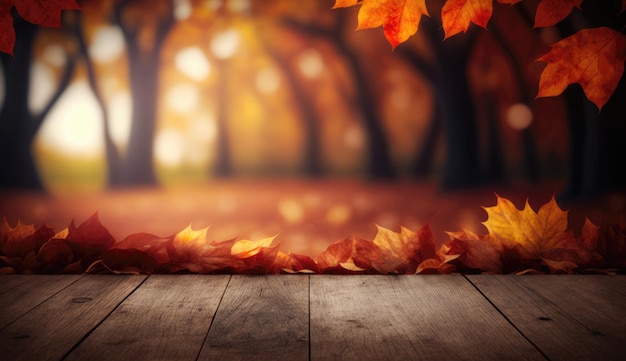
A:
(550, 12)
(46, 13)
(593, 58)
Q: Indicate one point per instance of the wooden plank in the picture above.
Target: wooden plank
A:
(409, 318)
(567, 317)
(261, 318)
(29, 292)
(167, 318)
(52, 329)
(9, 281)
(621, 278)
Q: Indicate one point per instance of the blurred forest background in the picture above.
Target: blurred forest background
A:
(259, 117)
(181, 92)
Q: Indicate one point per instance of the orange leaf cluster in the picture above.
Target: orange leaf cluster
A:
(518, 241)
(45, 13)
(593, 58)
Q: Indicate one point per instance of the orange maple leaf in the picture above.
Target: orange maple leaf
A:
(593, 58)
(399, 18)
(533, 232)
(475, 252)
(550, 12)
(189, 250)
(246, 248)
(456, 15)
(403, 251)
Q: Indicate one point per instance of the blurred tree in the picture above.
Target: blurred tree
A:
(18, 124)
(145, 33)
(113, 160)
(312, 163)
(379, 161)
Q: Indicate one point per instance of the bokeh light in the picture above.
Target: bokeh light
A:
(74, 125)
(519, 116)
(107, 44)
(193, 63)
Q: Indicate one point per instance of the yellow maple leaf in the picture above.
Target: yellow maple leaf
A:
(533, 232)
(593, 58)
(247, 248)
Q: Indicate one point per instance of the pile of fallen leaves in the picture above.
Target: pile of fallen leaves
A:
(518, 241)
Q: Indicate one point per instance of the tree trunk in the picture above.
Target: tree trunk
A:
(462, 168)
(114, 163)
(144, 66)
(494, 165)
(379, 159)
(139, 165)
(17, 128)
(312, 163)
(223, 165)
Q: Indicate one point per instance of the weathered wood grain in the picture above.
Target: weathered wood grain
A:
(166, 319)
(409, 318)
(261, 318)
(9, 281)
(50, 330)
(28, 292)
(567, 317)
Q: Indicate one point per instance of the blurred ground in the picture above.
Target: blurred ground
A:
(307, 215)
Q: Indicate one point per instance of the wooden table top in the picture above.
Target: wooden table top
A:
(312, 317)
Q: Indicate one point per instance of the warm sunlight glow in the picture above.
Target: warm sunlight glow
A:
(42, 85)
(203, 129)
(213, 4)
(54, 55)
(224, 45)
(169, 147)
(238, 6)
(182, 9)
(182, 98)
(107, 44)
(519, 116)
(267, 80)
(193, 63)
(120, 108)
(400, 98)
(74, 125)
(311, 63)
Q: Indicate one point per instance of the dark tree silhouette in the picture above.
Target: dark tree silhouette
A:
(454, 99)
(18, 126)
(144, 65)
(223, 165)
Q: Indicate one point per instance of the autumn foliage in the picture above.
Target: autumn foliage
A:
(518, 241)
(593, 58)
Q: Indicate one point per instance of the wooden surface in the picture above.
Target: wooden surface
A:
(317, 317)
